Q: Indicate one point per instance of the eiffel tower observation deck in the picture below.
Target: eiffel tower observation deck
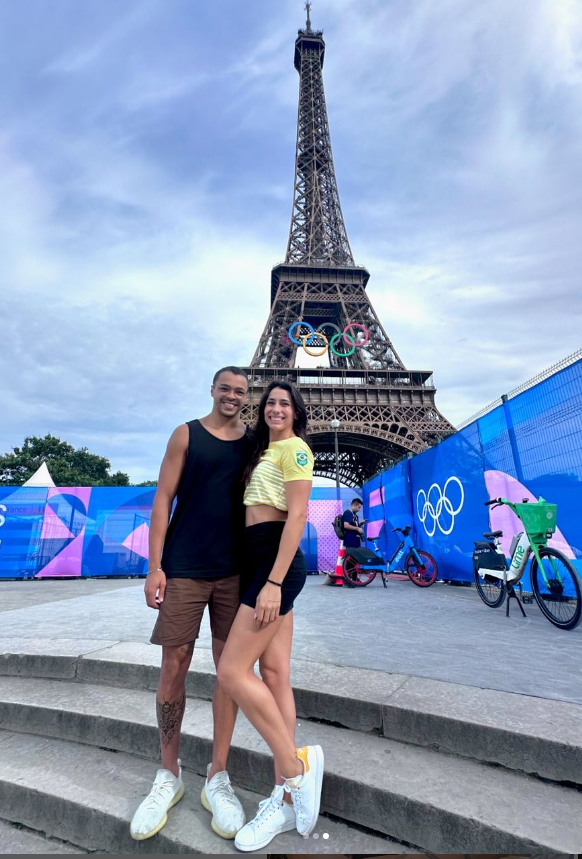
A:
(319, 306)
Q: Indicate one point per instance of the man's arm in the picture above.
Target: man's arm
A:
(170, 473)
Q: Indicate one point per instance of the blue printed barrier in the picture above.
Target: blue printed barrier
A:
(103, 531)
(528, 446)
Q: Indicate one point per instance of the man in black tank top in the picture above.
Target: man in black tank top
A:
(192, 564)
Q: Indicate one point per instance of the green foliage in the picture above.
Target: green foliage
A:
(68, 467)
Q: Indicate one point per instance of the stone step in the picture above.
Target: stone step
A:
(533, 735)
(77, 793)
(411, 794)
(14, 840)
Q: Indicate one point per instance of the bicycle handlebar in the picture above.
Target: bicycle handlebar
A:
(493, 501)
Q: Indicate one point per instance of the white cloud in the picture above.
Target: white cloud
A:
(145, 192)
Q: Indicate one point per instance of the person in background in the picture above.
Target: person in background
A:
(352, 526)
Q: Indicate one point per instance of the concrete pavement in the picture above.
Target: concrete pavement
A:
(441, 633)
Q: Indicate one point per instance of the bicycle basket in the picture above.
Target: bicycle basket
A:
(338, 526)
(538, 517)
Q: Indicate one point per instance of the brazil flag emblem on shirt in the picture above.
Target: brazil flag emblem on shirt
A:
(301, 458)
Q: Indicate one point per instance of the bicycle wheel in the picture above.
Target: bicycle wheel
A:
(422, 575)
(355, 575)
(490, 589)
(557, 588)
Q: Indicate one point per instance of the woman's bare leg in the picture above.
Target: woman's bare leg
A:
(274, 666)
(245, 645)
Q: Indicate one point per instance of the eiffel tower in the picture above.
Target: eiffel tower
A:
(319, 304)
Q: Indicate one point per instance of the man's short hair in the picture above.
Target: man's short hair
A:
(357, 501)
(236, 370)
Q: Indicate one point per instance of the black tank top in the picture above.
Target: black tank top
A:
(207, 525)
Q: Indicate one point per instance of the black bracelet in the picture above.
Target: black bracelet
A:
(271, 582)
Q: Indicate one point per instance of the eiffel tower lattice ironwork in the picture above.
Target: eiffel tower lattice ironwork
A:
(385, 411)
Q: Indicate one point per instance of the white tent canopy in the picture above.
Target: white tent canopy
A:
(41, 477)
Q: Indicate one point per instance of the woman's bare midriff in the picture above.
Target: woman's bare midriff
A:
(264, 513)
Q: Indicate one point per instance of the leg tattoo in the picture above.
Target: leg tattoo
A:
(170, 718)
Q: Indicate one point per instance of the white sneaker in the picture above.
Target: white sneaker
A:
(274, 816)
(152, 814)
(305, 789)
(219, 798)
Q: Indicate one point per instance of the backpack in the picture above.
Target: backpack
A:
(338, 526)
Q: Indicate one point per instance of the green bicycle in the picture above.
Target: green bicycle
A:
(554, 580)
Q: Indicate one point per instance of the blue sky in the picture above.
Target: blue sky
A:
(146, 168)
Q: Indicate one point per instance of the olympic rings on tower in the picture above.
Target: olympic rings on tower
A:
(307, 337)
(314, 334)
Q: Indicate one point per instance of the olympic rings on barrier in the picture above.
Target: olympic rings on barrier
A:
(314, 334)
(426, 508)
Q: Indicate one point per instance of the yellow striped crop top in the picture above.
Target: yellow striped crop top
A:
(282, 462)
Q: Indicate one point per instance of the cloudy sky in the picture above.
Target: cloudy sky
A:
(146, 168)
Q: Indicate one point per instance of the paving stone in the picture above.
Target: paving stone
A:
(440, 633)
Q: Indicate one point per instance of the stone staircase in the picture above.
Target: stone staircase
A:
(412, 765)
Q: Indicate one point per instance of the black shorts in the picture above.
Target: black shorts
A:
(261, 546)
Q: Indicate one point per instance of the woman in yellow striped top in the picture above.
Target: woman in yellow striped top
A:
(278, 484)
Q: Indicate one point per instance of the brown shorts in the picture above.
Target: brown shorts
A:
(180, 614)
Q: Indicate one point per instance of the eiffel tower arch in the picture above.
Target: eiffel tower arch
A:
(319, 303)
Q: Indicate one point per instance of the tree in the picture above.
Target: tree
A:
(68, 467)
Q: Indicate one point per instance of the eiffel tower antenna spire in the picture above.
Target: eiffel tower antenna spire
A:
(319, 305)
(318, 233)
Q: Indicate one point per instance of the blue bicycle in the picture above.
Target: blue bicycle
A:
(361, 566)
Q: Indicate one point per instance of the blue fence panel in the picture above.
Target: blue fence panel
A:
(387, 505)
(548, 429)
(116, 539)
(103, 531)
(21, 519)
(530, 445)
(448, 492)
(308, 546)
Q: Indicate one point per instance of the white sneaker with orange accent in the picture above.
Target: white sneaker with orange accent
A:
(305, 789)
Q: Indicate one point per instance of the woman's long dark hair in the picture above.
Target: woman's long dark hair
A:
(260, 431)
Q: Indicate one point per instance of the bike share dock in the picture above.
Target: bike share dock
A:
(410, 691)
